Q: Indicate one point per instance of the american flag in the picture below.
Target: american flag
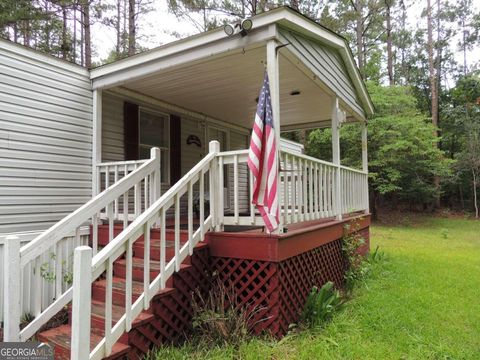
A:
(262, 160)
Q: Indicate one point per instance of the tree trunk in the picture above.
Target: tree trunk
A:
(131, 27)
(82, 38)
(65, 46)
(359, 34)
(74, 33)
(117, 27)
(475, 203)
(388, 18)
(87, 36)
(433, 88)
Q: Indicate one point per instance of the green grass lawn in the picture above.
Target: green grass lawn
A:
(421, 302)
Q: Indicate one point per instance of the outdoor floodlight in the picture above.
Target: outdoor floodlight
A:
(229, 29)
(241, 27)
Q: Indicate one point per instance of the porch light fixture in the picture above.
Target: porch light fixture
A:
(242, 27)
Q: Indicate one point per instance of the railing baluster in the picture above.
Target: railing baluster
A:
(110, 222)
(125, 210)
(221, 197)
(202, 202)
(145, 193)
(128, 285)
(95, 234)
(311, 199)
(137, 197)
(315, 196)
(235, 188)
(108, 308)
(163, 242)
(146, 264)
(285, 190)
(116, 200)
(294, 191)
(252, 207)
(190, 217)
(305, 191)
(177, 232)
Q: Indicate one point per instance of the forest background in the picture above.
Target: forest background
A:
(420, 60)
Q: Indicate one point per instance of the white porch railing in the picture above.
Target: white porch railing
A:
(310, 189)
(88, 269)
(46, 256)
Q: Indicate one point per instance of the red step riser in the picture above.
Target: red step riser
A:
(103, 235)
(137, 273)
(139, 251)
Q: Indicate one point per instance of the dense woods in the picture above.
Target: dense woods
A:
(420, 60)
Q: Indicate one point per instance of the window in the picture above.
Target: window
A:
(154, 132)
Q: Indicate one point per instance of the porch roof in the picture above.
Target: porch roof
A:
(220, 76)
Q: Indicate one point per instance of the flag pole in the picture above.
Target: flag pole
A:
(274, 78)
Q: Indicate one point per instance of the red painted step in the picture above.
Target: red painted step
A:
(118, 290)
(103, 231)
(60, 337)
(120, 266)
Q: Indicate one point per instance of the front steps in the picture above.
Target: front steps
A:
(169, 317)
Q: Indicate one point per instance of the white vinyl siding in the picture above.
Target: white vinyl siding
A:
(45, 138)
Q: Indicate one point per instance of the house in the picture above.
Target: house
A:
(146, 158)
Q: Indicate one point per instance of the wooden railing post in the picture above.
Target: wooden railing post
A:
(365, 167)
(215, 206)
(81, 303)
(155, 154)
(337, 186)
(12, 285)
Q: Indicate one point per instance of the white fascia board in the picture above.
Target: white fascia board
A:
(188, 56)
(41, 57)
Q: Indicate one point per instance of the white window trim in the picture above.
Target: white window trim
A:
(167, 128)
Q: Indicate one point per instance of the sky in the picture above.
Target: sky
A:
(158, 28)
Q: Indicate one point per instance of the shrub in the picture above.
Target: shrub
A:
(321, 304)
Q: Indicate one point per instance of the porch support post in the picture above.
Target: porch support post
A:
(274, 79)
(365, 166)
(337, 199)
(12, 287)
(96, 139)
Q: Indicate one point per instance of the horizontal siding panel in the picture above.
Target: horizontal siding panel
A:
(29, 128)
(326, 64)
(45, 139)
(30, 155)
(34, 104)
(45, 86)
(69, 103)
(42, 200)
(38, 209)
(58, 74)
(20, 218)
(41, 148)
(6, 181)
(26, 191)
(45, 174)
(83, 125)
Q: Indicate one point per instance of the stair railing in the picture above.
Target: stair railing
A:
(44, 258)
(178, 198)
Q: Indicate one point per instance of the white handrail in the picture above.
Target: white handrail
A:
(45, 246)
(122, 246)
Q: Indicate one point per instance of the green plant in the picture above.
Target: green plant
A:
(351, 242)
(47, 273)
(218, 320)
(321, 304)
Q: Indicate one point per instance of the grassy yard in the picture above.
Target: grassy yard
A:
(421, 302)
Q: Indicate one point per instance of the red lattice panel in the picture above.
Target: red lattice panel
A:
(277, 291)
(297, 276)
(255, 284)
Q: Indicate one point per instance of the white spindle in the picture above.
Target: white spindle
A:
(221, 200)
(163, 242)
(125, 209)
(95, 233)
(235, 188)
(108, 308)
(177, 232)
(202, 201)
(294, 174)
(146, 263)
(252, 207)
(128, 285)
(190, 217)
(115, 181)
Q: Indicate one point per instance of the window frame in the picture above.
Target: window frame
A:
(163, 149)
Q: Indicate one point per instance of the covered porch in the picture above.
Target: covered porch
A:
(206, 88)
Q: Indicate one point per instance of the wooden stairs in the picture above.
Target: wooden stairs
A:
(169, 317)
